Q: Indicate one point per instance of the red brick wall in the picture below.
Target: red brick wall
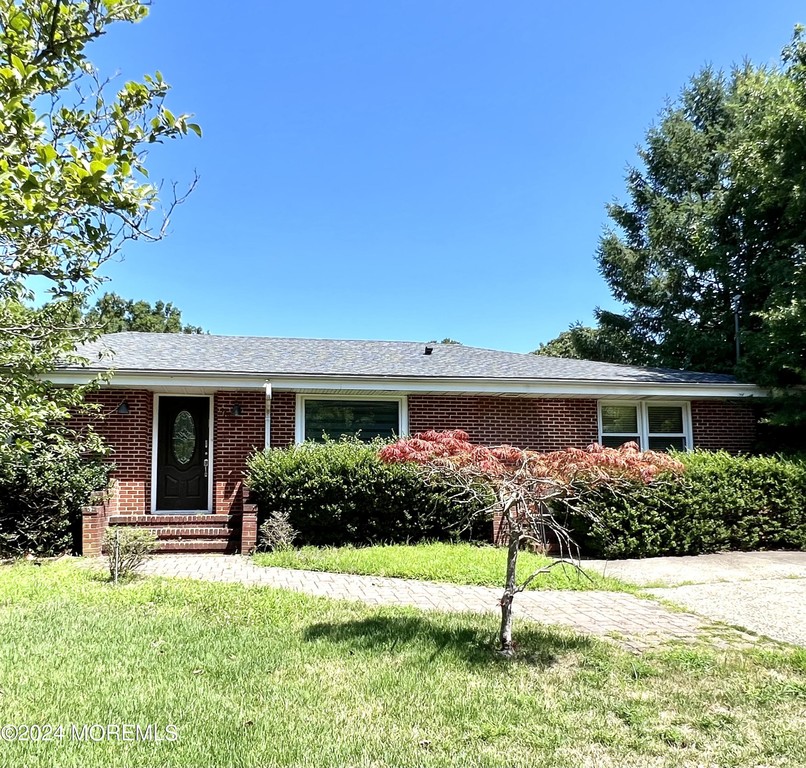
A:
(723, 425)
(542, 424)
(129, 437)
(234, 439)
(572, 423)
(95, 518)
(549, 424)
(283, 424)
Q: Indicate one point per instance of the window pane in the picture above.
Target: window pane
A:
(667, 443)
(613, 441)
(183, 437)
(334, 418)
(620, 418)
(665, 418)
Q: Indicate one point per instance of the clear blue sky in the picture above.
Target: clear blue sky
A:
(409, 169)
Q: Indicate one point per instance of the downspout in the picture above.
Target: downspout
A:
(267, 389)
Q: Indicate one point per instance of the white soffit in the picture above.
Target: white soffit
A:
(206, 383)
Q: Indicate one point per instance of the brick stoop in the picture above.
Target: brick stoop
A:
(188, 533)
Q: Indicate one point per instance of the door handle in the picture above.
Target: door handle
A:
(206, 464)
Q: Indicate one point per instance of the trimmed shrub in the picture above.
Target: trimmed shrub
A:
(41, 495)
(338, 493)
(721, 502)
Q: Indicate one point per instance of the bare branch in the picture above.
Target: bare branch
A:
(546, 569)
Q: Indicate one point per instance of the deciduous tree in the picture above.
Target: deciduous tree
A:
(532, 491)
(113, 314)
(581, 342)
(74, 189)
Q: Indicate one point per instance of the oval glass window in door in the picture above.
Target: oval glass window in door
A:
(183, 437)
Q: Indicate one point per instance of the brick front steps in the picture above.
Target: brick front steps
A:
(225, 533)
(188, 533)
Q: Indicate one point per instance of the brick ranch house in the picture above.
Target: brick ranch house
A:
(183, 412)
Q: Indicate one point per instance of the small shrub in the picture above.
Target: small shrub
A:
(277, 534)
(340, 492)
(127, 549)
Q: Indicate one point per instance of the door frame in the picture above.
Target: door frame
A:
(155, 453)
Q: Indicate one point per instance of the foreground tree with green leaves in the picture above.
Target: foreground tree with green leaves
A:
(74, 189)
(711, 237)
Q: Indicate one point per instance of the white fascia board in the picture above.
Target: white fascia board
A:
(163, 381)
(534, 387)
(549, 388)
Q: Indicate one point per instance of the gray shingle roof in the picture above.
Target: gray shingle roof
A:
(265, 356)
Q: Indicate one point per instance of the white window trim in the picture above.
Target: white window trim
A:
(643, 421)
(154, 454)
(299, 415)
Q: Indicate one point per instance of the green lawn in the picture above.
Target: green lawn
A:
(438, 561)
(261, 677)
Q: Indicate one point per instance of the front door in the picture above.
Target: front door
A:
(183, 453)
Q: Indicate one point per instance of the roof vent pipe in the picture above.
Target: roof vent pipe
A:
(428, 350)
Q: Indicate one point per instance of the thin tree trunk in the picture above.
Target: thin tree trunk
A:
(505, 635)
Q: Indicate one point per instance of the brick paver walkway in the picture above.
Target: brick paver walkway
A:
(638, 623)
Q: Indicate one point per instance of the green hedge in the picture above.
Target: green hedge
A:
(340, 493)
(721, 502)
(41, 495)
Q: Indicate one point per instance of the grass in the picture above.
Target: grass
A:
(438, 561)
(252, 676)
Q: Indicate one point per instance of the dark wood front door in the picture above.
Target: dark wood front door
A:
(183, 453)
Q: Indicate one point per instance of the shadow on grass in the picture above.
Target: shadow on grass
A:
(387, 634)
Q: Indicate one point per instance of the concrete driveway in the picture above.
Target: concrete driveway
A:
(764, 592)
